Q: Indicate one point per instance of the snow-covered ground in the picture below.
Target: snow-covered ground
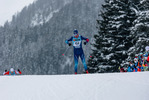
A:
(114, 86)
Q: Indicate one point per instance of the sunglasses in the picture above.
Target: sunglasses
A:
(75, 33)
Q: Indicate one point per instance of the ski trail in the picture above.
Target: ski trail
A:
(114, 86)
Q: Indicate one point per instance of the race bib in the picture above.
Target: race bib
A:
(77, 44)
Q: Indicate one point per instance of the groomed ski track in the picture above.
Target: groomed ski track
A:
(111, 86)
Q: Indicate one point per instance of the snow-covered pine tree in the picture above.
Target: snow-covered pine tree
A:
(112, 40)
(96, 56)
(140, 30)
(143, 5)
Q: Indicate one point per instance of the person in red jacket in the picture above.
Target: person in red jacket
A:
(148, 58)
(18, 71)
(6, 72)
(122, 69)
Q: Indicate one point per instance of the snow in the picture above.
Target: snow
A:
(67, 62)
(135, 10)
(51, 15)
(67, 2)
(108, 48)
(38, 19)
(114, 86)
(138, 25)
(142, 1)
(109, 56)
(120, 46)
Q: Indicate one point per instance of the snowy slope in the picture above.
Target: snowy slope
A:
(117, 86)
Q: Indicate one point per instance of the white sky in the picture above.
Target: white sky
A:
(9, 7)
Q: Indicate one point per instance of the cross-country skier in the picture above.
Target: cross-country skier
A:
(78, 51)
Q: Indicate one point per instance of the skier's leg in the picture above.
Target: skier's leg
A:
(76, 57)
(83, 61)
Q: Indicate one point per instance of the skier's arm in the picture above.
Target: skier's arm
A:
(84, 38)
(67, 41)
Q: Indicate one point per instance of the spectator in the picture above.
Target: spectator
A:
(12, 71)
(129, 69)
(18, 72)
(6, 72)
(135, 65)
(122, 69)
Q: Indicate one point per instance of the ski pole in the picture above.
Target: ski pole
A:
(65, 51)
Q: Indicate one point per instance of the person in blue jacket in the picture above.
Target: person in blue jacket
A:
(12, 71)
(135, 66)
(78, 51)
(130, 67)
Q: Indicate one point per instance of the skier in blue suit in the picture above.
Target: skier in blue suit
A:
(78, 51)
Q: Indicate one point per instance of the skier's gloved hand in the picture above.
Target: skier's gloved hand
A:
(84, 43)
(87, 40)
(69, 44)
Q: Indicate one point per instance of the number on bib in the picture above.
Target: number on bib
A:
(77, 44)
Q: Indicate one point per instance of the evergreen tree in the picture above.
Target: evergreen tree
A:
(112, 41)
(143, 5)
(140, 31)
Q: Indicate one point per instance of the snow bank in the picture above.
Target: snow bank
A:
(115, 86)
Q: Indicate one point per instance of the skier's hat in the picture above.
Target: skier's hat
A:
(75, 31)
(11, 69)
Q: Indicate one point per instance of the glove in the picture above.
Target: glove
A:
(84, 43)
(69, 44)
